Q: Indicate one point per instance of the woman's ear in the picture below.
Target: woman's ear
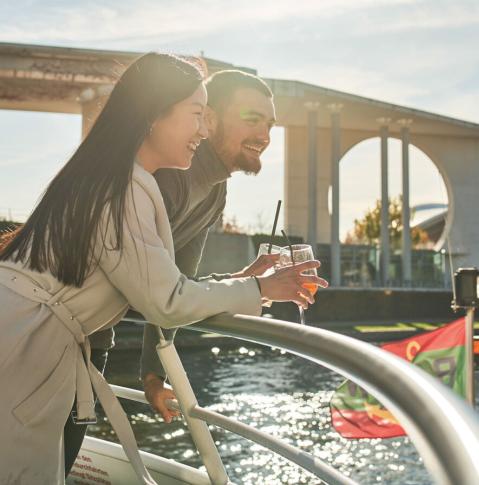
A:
(211, 120)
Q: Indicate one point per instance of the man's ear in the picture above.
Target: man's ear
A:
(211, 120)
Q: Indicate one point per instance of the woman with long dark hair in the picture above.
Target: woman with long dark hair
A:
(98, 242)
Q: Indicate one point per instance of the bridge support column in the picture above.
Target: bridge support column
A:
(406, 212)
(335, 109)
(312, 108)
(384, 248)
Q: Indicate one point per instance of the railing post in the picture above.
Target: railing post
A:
(469, 322)
(187, 400)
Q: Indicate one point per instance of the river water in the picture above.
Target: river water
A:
(275, 392)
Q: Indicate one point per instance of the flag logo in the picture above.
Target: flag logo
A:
(357, 414)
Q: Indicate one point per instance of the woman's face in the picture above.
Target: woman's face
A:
(175, 136)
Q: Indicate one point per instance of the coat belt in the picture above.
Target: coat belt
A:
(86, 373)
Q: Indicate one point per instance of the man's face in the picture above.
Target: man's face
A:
(242, 131)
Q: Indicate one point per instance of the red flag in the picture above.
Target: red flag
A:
(357, 414)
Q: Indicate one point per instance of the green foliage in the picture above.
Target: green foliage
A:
(368, 229)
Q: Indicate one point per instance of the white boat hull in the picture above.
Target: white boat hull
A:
(104, 463)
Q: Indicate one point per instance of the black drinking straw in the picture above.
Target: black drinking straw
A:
(278, 207)
(289, 244)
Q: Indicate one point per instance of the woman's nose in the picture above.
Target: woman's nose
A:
(202, 129)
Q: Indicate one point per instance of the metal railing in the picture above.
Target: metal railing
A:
(303, 459)
(444, 429)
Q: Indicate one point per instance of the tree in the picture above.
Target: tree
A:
(368, 229)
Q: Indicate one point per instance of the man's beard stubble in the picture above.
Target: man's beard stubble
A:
(238, 162)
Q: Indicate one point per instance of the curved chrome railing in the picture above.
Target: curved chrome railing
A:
(444, 429)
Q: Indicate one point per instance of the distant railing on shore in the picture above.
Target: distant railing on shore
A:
(360, 267)
(360, 263)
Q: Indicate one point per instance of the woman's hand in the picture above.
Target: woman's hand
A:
(259, 266)
(286, 284)
(156, 393)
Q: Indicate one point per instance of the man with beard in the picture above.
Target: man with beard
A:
(239, 117)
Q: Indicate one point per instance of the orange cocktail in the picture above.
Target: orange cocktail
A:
(311, 287)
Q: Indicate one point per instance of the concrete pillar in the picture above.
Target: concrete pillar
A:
(406, 212)
(312, 108)
(384, 247)
(295, 204)
(335, 109)
(457, 158)
(92, 101)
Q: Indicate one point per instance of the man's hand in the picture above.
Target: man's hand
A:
(259, 266)
(156, 392)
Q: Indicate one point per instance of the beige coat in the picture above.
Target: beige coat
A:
(44, 326)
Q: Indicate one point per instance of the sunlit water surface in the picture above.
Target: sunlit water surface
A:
(272, 391)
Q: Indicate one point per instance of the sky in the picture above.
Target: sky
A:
(419, 53)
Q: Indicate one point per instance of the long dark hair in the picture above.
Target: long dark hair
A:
(59, 234)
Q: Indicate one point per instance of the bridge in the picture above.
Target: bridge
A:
(321, 126)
